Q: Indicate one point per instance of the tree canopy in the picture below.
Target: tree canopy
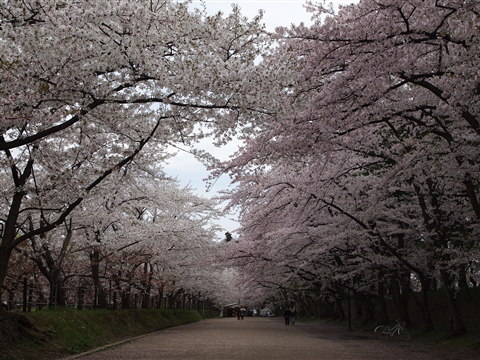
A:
(368, 173)
(359, 172)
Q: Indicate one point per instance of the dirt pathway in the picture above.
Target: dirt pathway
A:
(265, 339)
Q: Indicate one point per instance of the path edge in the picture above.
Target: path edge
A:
(121, 342)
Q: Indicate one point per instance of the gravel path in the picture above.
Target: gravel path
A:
(265, 339)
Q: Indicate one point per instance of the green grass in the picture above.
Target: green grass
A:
(67, 331)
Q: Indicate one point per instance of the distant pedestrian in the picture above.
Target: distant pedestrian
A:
(287, 315)
(243, 311)
(293, 309)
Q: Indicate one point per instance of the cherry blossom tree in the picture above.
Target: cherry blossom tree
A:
(88, 86)
(368, 172)
(144, 239)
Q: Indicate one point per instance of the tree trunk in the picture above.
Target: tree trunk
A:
(368, 309)
(11, 299)
(427, 317)
(425, 307)
(147, 286)
(358, 305)
(9, 234)
(462, 277)
(457, 325)
(95, 267)
(472, 196)
(80, 298)
(339, 309)
(4, 258)
(56, 295)
(126, 299)
(381, 303)
(400, 297)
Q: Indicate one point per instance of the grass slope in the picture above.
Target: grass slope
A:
(50, 334)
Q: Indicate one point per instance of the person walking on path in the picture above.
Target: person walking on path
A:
(293, 309)
(287, 313)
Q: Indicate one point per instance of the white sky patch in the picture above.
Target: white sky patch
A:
(190, 172)
(277, 13)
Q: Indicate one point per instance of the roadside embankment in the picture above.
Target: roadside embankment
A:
(51, 334)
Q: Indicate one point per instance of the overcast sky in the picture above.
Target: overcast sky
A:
(276, 13)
